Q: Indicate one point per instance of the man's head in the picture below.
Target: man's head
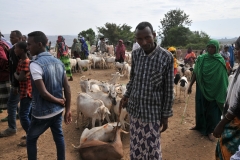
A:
(225, 48)
(36, 42)
(145, 36)
(15, 36)
(237, 49)
(75, 40)
(24, 38)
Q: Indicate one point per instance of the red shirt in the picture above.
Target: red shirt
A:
(25, 86)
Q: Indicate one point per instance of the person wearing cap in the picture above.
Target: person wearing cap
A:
(211, 78)
(226, 55)
(120, 51)
(175, 64)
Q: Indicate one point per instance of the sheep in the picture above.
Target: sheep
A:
(183, 86)
(91, 108)
(176, 81)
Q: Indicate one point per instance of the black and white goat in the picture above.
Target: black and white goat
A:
(183, 86)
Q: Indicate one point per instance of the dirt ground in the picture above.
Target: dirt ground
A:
(177, 142)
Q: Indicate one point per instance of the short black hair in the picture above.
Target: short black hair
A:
(18, 33)
(39, 36)
(143, 25)
(238, 42)
(22, 45)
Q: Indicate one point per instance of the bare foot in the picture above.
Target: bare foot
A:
(193, 128)
(211, 137)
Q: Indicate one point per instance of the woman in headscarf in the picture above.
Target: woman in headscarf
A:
(120, 51)
(4, 72)
(190, 57)
(62, 54)
(228, 129)
(84, 48)
(175, 64)
(210, 73)
(76, 48)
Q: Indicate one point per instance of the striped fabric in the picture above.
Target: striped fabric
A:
(144, 140)
(150, 89)
(4, 93)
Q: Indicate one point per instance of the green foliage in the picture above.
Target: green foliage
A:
(115, 32)
(177, 36)
(174, 33)
(88, 35)
(173, 18)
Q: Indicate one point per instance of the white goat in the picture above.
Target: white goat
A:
(84, 63)
(73, 63)
(115, 78)
(91, 108)
(123, 113)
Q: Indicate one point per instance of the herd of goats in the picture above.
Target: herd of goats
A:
(100, 101)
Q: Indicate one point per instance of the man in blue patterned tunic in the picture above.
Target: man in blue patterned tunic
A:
(149, 94)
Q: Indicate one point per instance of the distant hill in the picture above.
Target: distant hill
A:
(53, 38)
(227, 41)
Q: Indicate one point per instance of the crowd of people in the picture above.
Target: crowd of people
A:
(31, 76)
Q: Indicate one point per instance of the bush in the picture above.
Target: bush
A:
(197, 46)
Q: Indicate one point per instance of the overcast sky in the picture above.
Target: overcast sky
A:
(218, 18)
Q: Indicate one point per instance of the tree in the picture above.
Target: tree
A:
(177, 36)
(173, 18)
(88, 35)
(115, 32)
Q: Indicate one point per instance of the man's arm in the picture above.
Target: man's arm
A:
(67, 95)
(168, 97)
(46, 95)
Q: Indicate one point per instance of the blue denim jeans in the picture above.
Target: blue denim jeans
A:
(12, 106)
(24, 112)
(38, 127)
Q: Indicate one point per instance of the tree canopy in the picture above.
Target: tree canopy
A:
(173, 30)
(88, 35)
(115, 32)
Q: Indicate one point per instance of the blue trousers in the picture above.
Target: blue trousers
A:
(38, 127)
(12, 106)
(24, 112)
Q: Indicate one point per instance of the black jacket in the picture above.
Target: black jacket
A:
(13, 62)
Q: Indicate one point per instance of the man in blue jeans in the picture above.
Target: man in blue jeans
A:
(14, 98)
(48, 80)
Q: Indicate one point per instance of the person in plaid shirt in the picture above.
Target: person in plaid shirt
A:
(149, 95)
(22, 74)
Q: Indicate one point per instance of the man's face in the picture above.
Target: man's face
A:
(211, 49)
(13, 38)
(226, 49)
(145, 39)
(237, 52)
(32, 46)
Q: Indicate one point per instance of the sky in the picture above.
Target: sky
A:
(218, 18)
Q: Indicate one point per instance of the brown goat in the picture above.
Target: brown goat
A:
(99, 150)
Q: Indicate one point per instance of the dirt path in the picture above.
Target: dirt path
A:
(178, 142)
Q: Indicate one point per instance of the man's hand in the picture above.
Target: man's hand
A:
(218, 131)
(164, 124)
(189, 90)
(67, 117)
(62, 102)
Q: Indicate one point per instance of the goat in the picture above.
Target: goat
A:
(91, 108)
(183, 86)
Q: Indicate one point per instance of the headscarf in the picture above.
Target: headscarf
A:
(211, 75)
(62, 47)
(120, 50)
(84, 46)
(76, 46)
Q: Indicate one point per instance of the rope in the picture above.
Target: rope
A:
(186, 104)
